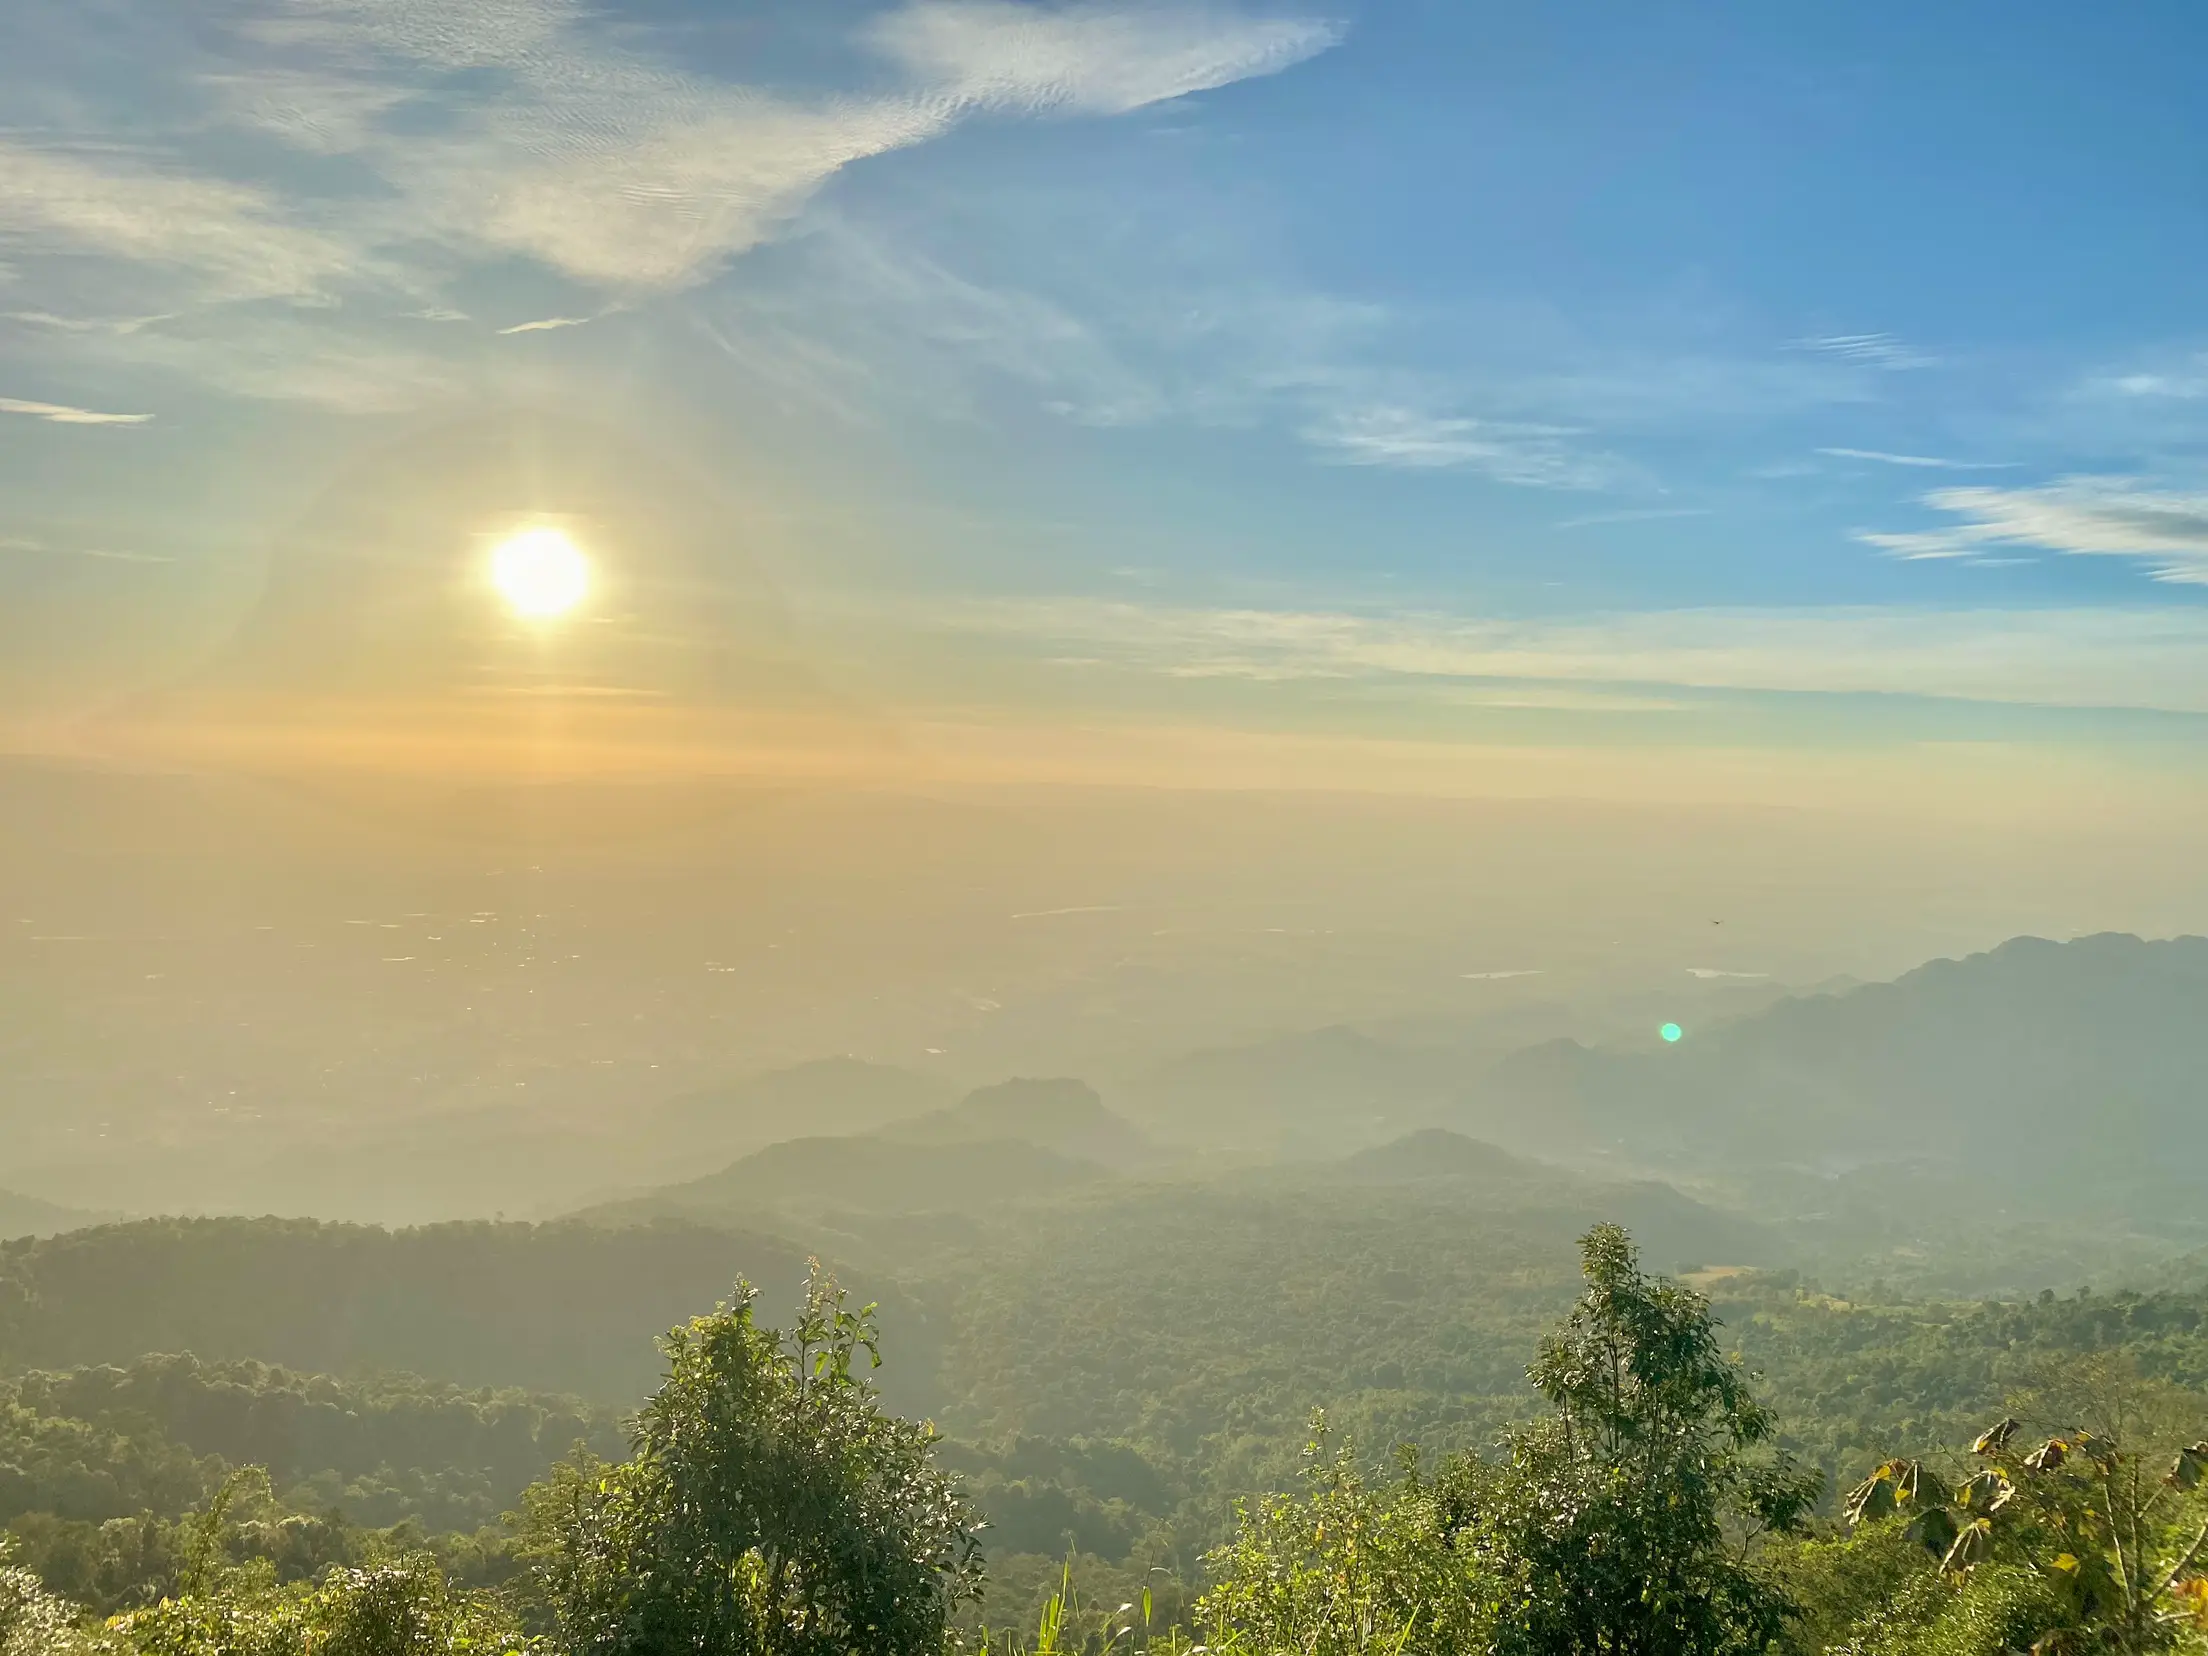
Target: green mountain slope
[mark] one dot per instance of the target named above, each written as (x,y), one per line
(158,1435)
(562,1307)
(812,1179)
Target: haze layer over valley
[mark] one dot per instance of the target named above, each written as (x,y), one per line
(419,1002)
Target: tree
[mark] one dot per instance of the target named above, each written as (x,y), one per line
(400,1608)
(770,1506)
(1348,1569)
(1623,1523)
(2105,1516)
(33,1622)
(394,1604)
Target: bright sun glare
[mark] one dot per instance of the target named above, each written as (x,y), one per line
(540,573)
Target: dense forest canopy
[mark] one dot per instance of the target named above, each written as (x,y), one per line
(1108,1386)
(160,1434)
(1644,1493)
(560,1307)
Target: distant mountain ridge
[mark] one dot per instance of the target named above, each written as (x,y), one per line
(1314,1091)
(998,1144)
(829,1097)
(810,1178)
(1060,1114)
(2051,1063)
(1437,1153)
(1436,1164)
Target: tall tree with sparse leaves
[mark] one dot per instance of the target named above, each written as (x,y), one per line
(1624,1522)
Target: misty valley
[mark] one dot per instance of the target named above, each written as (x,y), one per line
(1164,1342)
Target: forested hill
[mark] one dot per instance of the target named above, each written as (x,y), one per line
(158,1435)
(558,1307)
(861,1175)
(830,1096)
(1061,1115)
(1018,1139)
(1982,1065)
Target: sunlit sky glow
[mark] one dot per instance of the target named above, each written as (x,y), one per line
(1592,380)
(539,572)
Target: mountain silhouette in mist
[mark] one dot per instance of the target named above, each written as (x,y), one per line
(2051,1064)
(805,1178)
(1437,1164)
(1001,1143)
(830,1097)
(1315,1091)
(1437,1153)
(1061,1115)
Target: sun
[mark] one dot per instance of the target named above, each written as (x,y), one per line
(540,573)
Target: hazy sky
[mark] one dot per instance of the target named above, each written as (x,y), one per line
(1799,403)
(1643,503)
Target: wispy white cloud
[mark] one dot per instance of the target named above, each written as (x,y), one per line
(63,414)
(879,329)
(1642,514)
(1873,350)
(546,324)
(623,208)
(1410,440)
(335,112)
(2085,516)
(1920,546)
(878,325)
(2183,381)
(1094,59)
(227,240)
(24,543)
(334,361)
(2116,658)
(1927,461)
(628,176)
(121,326)
(472,131)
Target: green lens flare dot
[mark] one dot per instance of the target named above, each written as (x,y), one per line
(1671,1032)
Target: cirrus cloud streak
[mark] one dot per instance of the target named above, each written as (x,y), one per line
(564,143)
(2082,516)
(2139,659)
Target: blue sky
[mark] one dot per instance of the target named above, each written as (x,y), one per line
(1605,374)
